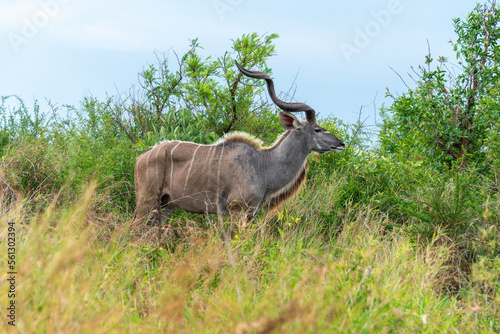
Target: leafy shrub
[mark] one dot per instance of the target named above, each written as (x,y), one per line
(180,125)
(448,116)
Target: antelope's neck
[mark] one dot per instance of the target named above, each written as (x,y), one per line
(285,161)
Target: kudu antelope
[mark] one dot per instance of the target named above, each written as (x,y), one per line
(236,175)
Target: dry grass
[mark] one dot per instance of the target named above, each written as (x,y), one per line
(79,272)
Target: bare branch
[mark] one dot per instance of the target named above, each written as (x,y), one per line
(400,77)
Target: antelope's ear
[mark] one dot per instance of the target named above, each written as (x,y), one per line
(289,121)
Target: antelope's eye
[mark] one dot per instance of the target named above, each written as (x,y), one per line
(317,130)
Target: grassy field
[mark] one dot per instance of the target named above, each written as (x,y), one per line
(82,271)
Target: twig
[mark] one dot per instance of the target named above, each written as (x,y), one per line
(400,77)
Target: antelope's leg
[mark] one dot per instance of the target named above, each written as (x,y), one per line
(143,207)
(166,211)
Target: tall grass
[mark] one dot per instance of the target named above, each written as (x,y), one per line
(83,272)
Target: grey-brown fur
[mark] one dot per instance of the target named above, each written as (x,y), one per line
(233,176)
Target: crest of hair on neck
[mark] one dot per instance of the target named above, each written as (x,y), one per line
(256,143)
(241,137)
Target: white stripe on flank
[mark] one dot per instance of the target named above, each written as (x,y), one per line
(213,153)
(158,169)
(218,173)
(147,164)
(172,163)
(208,163)
(140,158)
(189,170)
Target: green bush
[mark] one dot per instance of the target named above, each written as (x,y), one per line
(448,116)
(180,125)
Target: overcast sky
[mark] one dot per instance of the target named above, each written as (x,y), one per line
(64,50)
